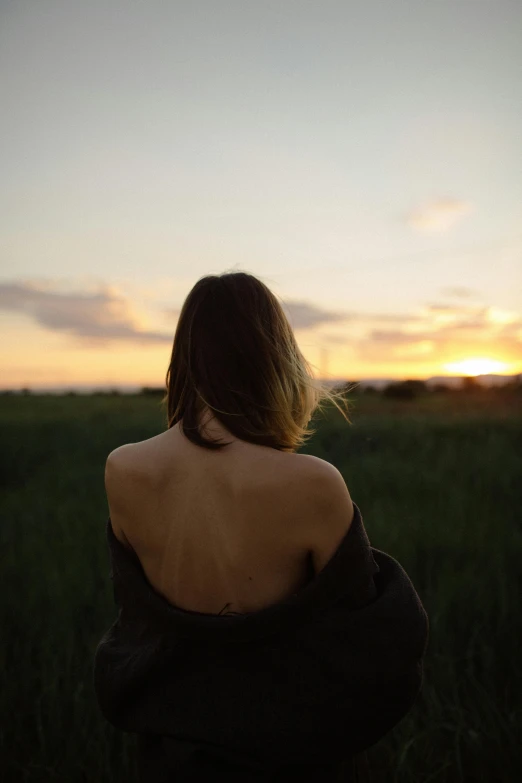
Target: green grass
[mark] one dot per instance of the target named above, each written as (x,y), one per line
(438,481)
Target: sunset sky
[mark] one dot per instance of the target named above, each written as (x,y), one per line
(363,159)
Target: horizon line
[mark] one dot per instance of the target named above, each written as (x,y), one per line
(138,387)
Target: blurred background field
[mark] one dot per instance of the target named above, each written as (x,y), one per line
(437,476)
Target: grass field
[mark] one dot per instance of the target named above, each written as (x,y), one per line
(439,484)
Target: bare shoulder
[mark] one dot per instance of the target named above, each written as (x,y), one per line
(122,453)
(315,464)
(330,510)
(321,470)
(127,477)
(122,464)
(119,468)
(327,483)
(129,460)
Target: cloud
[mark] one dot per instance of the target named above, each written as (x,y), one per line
(435,308)
(93,317)
(458,291)
(477,320)
(303,315)
(435,330)
(448,329)
(400,318)
(106,314)
(439,215)
(455,310)
(396,336)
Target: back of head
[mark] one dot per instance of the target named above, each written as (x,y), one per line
(234,352)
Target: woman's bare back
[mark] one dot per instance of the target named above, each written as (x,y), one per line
(215,532)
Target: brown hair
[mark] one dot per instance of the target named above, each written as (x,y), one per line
(234,351)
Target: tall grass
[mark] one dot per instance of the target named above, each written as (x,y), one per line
(439,486)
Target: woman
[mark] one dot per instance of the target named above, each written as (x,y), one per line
(259,635)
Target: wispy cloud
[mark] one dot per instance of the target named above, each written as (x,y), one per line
(433,332)
(458,291)
(446,329)
(107,314)
(304,315)
(395,336)
(441,308)
(94,317)
(101,316)
(439,215)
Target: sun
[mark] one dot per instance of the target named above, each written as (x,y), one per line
(476,367)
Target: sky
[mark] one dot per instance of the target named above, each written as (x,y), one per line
(363,159)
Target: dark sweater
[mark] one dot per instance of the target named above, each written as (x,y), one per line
(285,693)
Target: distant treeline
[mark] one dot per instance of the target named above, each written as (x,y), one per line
(411,389)
(404,390)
